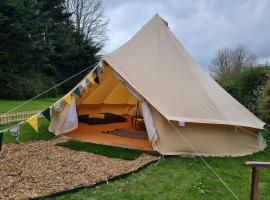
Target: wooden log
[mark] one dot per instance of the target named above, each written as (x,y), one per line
(257,164)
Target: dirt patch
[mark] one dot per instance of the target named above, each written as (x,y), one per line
(38,169)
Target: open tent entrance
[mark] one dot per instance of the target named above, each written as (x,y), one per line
(110,114)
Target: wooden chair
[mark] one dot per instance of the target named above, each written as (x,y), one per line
(255,176)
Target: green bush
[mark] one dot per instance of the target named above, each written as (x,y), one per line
(264,102)
(26,86)
(246,86)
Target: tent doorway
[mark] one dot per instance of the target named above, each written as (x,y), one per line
(104,103)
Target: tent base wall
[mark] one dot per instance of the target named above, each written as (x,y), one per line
(205,139)
(192,154)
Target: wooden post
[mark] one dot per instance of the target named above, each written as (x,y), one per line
(255,183)
(256,177)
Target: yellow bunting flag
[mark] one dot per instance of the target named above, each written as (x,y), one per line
(90,78)
(33,121)
(67,98)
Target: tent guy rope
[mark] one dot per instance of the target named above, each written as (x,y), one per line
(204,161)
(55,86)
(22,104)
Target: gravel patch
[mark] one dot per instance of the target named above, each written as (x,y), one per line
(37,169)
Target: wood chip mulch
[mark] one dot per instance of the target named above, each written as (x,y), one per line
(37,169)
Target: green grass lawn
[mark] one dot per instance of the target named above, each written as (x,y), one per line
(6,105)
(111,152)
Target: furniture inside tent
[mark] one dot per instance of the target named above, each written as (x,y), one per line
(183,109)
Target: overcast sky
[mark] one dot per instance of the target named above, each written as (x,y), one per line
(202,26)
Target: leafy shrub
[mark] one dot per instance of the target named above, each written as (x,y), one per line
(246,86)
(26,86)
(264,102)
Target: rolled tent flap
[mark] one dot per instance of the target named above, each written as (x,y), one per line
(66,120)
(149,123)
(147,115)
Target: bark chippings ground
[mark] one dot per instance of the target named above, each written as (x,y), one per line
(38,169)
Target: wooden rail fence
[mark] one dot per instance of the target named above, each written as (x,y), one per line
(13,117)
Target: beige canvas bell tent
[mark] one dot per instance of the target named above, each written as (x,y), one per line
(153,80)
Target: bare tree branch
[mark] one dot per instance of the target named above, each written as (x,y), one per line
(89,18)
(228,62)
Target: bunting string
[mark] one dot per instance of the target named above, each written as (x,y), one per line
(55,86)
(33,121)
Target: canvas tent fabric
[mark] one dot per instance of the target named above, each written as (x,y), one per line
(160,69)
(110,95)
(66,120)
(154,68)
(207,139)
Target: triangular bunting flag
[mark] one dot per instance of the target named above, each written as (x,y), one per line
(33,121)
(77,91)
(15,131)
(47,113)
(97,80)
(1,140)
(95,73)
(84,84)
(67,99)
(90,78)
(101,67)
(57,106)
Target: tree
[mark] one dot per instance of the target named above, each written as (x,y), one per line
(229,62)
(89,18)
(21,48)
(246,86)
(22,51)
(264,102)
(39,47)
(72,54)
(71,51)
